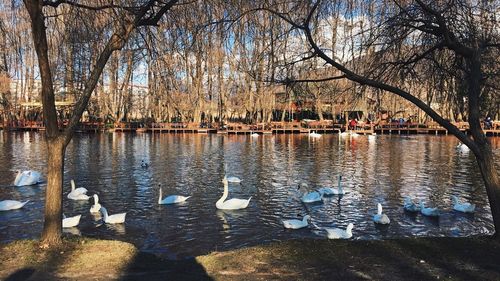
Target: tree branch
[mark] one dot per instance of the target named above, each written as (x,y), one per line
(295,81)
(155,18)
(56,4)
(116,42)
(363,80)
(443,30)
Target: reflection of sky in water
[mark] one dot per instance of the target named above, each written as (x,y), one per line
(383,169)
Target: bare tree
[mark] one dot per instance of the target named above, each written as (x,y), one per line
(132,17)
(416,33)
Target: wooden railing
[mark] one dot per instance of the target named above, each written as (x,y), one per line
(235,126)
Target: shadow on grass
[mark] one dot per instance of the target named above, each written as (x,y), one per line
(353,260)
(457,258)
(146,266)
(21,274)
(404,259)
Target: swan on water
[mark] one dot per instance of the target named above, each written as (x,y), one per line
(338,233)
(231,204)
(72,231)
(462,207)
(349,133)
(296,224)
(96,207)
(410,206)
(430,212)
(6,205)
(309,197)
(28,177)
(331,190)
(379,217)
(116,218)
(254,134)
(313,134)
(231,179)
(77,193)
(172,199)
(462,147)
(71,221)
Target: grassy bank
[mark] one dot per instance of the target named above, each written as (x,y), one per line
(405,259)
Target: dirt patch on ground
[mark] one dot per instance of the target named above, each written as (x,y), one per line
(403,259)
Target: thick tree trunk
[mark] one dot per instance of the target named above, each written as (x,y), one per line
(52,226)
(482,151)
(489,171)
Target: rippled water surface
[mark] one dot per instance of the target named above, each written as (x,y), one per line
(271,166)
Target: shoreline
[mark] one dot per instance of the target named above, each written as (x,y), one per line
(471,258)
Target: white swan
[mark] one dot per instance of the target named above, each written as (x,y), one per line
(28,177)
(112,219)
(19,175)
(410,206)
(231,204)
(71,221)
(338,233)
(233,179)
(333,191)
(6,205)
(430,212)
(309,197)
(296,224)
(313,134)
(81,190)
(72,230)
(96,207)
(462,207)
(77,193)
(462,147)
(254,134)
(326,191)
(379,217)
(172,199)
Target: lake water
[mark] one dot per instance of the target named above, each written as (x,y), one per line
(271,166)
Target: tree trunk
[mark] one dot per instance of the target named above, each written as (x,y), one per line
(319,107)
(482,151)
(52,226)
(491,181)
